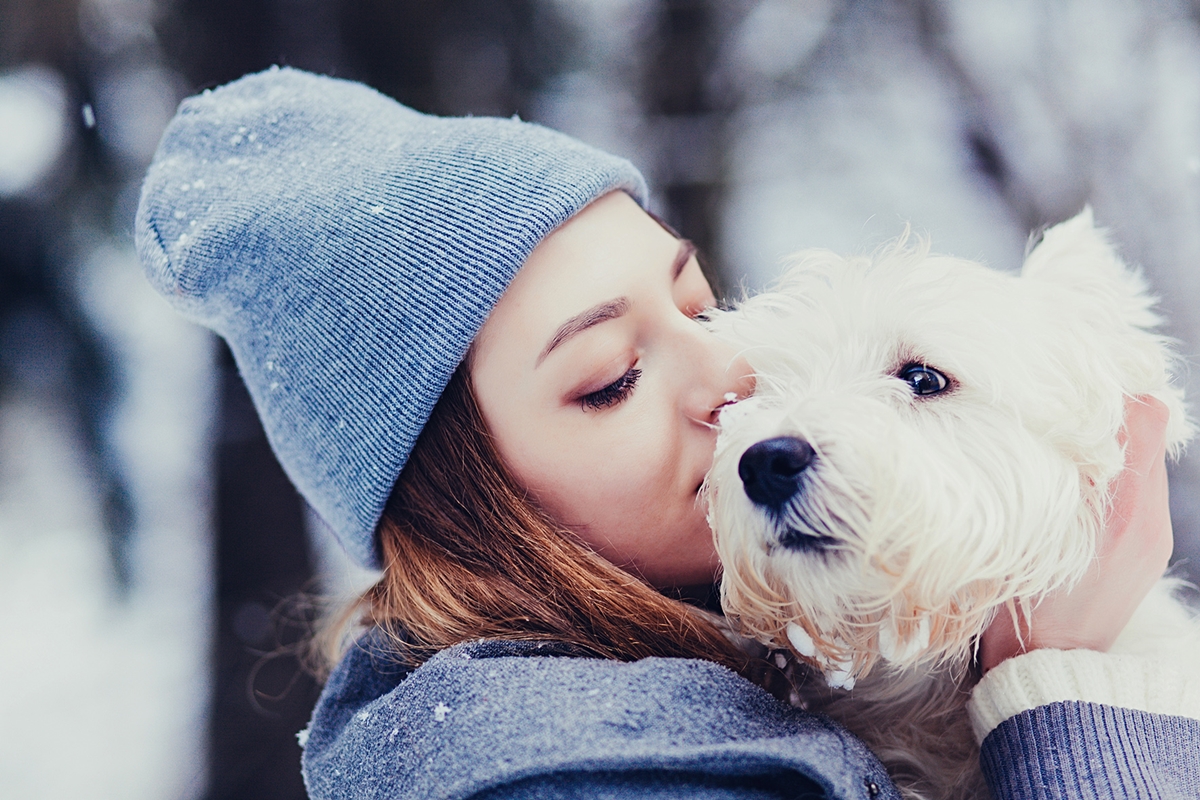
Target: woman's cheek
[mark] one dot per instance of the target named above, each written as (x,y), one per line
(622,477)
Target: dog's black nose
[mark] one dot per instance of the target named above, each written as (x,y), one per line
(771,469)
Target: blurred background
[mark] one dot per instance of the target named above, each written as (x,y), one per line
(147,538)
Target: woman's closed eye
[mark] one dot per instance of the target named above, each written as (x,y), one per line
(616,392)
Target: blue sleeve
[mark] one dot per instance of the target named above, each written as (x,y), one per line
(1086,751)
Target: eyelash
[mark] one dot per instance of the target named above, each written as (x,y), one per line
(616,392)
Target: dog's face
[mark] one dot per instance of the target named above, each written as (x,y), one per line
(929,442)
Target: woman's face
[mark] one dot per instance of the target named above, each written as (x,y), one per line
(601,390)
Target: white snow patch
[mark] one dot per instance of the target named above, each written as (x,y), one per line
(801,640)
(32,127)
(103,697)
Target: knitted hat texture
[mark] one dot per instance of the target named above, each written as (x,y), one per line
(348,249)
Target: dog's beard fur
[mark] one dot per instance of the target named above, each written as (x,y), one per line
(920,518)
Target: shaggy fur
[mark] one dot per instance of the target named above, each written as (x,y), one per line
(922,516)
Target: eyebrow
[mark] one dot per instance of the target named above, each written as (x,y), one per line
(581,322)
(610,309)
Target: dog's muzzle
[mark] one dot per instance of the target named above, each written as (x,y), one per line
(772,473)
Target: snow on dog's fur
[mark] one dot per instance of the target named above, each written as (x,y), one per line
(931,443)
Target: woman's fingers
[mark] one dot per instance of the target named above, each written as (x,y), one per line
(1131,556)
(1139,497)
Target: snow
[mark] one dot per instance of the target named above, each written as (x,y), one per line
(874,138)
(32,127)
(801,640)
(103,696)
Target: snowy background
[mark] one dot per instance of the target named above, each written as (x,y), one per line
(146,538)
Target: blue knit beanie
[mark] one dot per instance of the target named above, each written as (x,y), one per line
(348,249)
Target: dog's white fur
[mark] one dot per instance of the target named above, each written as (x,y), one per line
(941,510)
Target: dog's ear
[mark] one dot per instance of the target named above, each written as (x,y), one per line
(1078,256)
(1105,304)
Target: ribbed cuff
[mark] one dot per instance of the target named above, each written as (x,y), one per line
(1043,677)
(1086,751)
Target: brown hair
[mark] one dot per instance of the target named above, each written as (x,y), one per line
(468,555)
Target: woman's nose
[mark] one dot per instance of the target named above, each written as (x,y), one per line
(722,376)
(737,382)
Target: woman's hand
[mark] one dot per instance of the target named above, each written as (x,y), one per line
(1132,556)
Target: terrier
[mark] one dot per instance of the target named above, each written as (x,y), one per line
(931,443)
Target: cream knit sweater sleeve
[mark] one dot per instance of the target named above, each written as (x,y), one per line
(1042,677)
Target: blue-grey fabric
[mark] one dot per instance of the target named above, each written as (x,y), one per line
(501,720)
(348,249)
(1083,751)
(514,720)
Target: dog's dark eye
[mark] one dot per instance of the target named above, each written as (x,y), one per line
(922,379)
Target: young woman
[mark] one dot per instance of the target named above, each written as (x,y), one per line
(476,356)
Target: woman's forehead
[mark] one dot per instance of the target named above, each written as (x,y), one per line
(609,251)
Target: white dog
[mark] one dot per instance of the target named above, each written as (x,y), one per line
(931,443)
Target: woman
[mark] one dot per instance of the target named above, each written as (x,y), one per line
(520,451)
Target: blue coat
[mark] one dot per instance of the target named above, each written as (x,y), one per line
(497,720)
